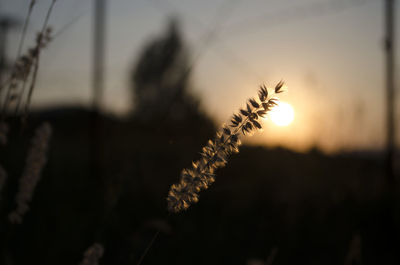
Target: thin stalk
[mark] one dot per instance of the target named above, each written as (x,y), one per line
(19,102)
(148,247)
(46,20)
(35,71)
(32,86)
(20,45)
(26,22)
(6,101)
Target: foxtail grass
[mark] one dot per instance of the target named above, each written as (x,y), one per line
(25,69)
(217,151)
(35,162)
(93,254)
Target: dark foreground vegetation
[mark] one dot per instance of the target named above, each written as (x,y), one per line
(303,208)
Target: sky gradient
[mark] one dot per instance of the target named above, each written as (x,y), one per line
(329,53)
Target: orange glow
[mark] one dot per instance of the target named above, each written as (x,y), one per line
(282,115)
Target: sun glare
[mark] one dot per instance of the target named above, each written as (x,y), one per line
(282,115)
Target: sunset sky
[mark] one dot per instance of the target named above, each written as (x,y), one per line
(328,52)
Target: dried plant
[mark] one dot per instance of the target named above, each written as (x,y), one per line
(25,62)
(26,23)
(35,161)
(215,154)
(22,39)
(93,254)
(26,66)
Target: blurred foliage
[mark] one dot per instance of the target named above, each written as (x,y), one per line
(308,206)
(160,80)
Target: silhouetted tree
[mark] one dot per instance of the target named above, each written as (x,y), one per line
(160,80)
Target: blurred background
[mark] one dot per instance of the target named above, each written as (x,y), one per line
(134,89)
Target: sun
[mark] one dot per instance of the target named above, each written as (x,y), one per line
(282,114)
